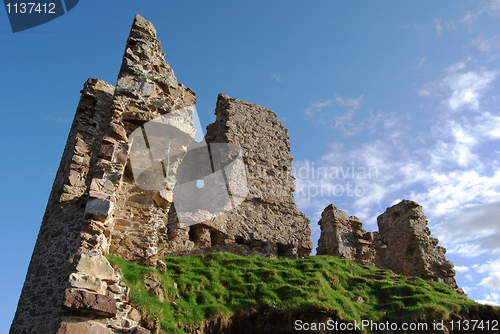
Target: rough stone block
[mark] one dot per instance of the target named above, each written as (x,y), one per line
(106,151)
(82,327)
(99,208)
(134,315)
(118,132)
(82,281)
(89,301)
(140,330)
(121,157)
(94,265)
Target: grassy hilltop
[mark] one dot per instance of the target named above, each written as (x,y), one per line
(223,292)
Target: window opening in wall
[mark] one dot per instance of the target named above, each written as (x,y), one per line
(192,233)
(214,238)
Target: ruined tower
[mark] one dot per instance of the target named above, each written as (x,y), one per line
(402,243)
(114,193)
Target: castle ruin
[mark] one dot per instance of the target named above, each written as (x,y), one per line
(402,243)
(114,194)
(98,205)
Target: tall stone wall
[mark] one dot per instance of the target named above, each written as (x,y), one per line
(268,215)
(39,307)
(402,243)
(69,281)
(260,216)
(146,93)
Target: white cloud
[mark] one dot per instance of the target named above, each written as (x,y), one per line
(422,60)
(491,299)
(459,190)
(351,104)
(483,45)
(438,27)
(469,289)
(277,78)
(487,302)
(317,106)
(460,89)
(462,269)
(488,126)
(491,7)
(467,88)
(490,266)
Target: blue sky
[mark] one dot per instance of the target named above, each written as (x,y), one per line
(408,89)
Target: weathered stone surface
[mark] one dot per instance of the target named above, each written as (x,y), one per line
(409,250)
(140,330)
(147,90)
(89,301)
(118,131)
(162,266)
(39,306)
(99,208)
(82,326)
(82,281)
(94,265)
(402,243)
(134,315)
(266,211)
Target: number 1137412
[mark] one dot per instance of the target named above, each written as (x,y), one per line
(31,7)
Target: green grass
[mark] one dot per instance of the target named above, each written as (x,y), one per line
(217,286)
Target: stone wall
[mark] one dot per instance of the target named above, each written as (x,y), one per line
(266,220)
(114,193)
(410,251)
(268,216)
(39,306)
(402,244)
(146,93)
(344,237)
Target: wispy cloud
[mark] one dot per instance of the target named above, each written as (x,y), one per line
(421,61)
(438,27)
(483,45)
(317,106)
(460,89)
(491,7)
(351,104)
(459,190)
(487,46)
(277,78)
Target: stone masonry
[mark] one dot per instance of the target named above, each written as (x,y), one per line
(402,244)
(39,307)
(267,220)
(101,204)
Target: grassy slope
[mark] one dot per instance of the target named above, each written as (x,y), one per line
(220,285)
